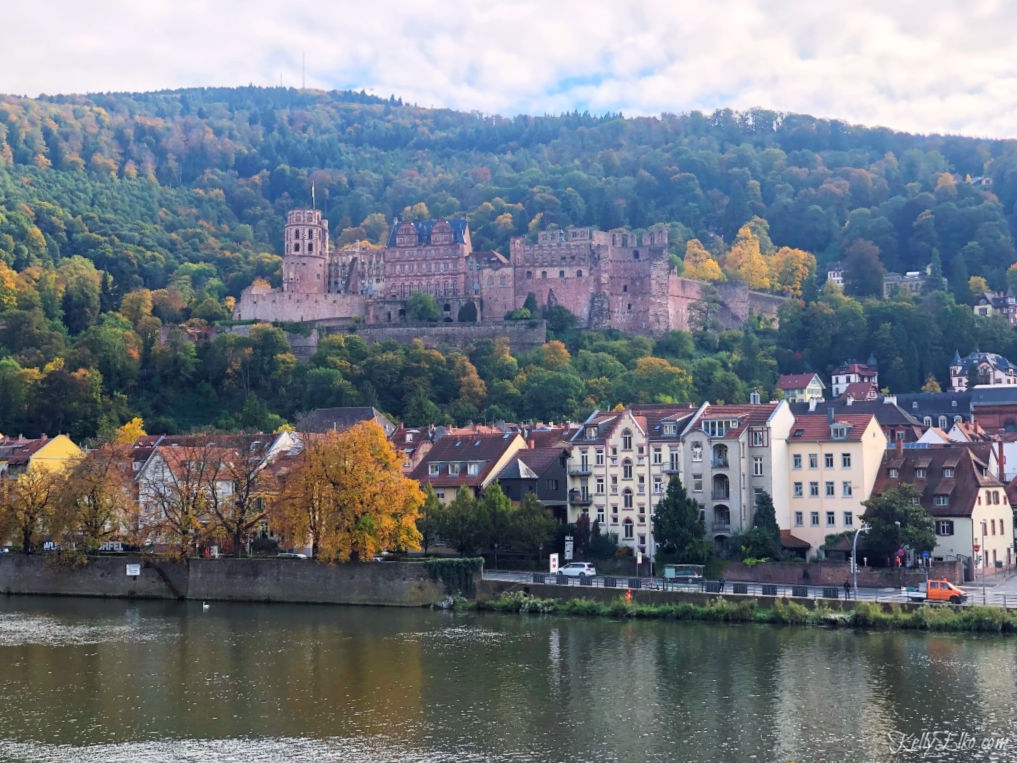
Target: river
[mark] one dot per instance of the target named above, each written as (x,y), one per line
(97,680)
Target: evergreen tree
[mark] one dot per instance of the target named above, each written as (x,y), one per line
(896,520)
(678,527)
(429,518)
(762,541)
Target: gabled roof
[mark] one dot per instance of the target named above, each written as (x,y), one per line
(531,464)
(862,390)
(935,404)
(814,427)
(798,381)
(341,419)
(424,227)
(747,415)
(483,449)
(971,473)
(1001,394)
(860,369)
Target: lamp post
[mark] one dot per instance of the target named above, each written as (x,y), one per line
(985,555)
(864,528)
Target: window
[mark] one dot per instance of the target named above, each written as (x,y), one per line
(828,460)
(697,451)
(627,499)
(598,458)
(600,514)
(893,474)
(716,427)
(944,527)
(671,429)
(658,485)
(849,519)
(626,469)
(940,500)
(697,483)
(829,489)
(814,519)
(920,473)
(838,432)
(831,519)
(600,486)
(433,470)
(796,461)
(947,473)
(798,490)
(658,455)
(757,466)
(799,519)
(757,438)
(626,440)
(453,469)
(813,460)
(846,489)
(561,273)
(473,469)
(627,529)
(845,460)
(813,490)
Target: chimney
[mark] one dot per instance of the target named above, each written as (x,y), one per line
(1002,463)
(531,444)
(812,404)
(754,397)
(829,415)
(900,448)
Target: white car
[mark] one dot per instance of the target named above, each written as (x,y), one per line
(578,570)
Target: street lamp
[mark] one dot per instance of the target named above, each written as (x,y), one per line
(864,528)
(985,555)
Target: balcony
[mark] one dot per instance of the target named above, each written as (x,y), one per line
(583,470)
(720,527)
(672,469)
(719,463)
(577,498)
(720,495)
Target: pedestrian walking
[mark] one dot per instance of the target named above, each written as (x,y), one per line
(805,576)
(847,589)
(722,582)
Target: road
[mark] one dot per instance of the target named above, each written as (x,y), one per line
(1003,593)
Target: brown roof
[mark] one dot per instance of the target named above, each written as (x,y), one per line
(17,452)
(794,381)
(971,473)
(861,390)
(814,427)
(747,415)
(787,540)
(461,450)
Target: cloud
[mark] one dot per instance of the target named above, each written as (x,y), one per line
(932,66)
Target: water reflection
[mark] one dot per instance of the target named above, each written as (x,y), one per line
(109,680)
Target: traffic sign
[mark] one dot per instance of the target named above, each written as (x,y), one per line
(925,554)
(553,560)
(977,548)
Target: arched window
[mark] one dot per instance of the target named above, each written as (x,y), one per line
(579,274)
(627,529)
(529,274)
(543,274)
(310,248)
(627,499)
(626,469)
(626,440)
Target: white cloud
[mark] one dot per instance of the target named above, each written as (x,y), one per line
(937,65)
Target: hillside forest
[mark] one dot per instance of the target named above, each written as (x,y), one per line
(130,222)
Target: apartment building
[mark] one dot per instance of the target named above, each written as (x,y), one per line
(732,453)
(619,467)
(833,462)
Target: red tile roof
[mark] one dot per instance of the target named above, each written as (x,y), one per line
(483,449)
(794,381)
(814,427)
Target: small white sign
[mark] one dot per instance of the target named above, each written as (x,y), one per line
(639,557)
(569,548)
(554,562)
(133,570)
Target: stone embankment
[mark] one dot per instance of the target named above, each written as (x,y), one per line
(396,584)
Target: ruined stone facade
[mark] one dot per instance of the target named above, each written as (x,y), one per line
(607,279)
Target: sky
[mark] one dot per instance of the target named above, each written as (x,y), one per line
(930,66)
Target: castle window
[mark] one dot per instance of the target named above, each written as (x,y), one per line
(543,274)
(529,274)
(310,248)
(561,273)
(630,307)
(579,274)
(625,287)
(635,255)
(296,247)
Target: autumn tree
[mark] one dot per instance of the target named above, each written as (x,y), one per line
(745,261)
(699,263)
(129,433)
(239,490)
(26,506)
(348,496)
(790,269)
(95,501)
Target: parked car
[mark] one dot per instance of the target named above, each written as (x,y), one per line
(290,555)
(578,570)
(938,590)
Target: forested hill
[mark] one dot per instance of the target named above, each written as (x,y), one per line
(123,212)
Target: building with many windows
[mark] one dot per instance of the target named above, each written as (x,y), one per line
(833,461)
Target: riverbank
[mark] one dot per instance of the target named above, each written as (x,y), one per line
(295,581)
(861,614)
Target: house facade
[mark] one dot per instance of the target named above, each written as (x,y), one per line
(470,461)
(852,373)
(833,461)
(800,388)
(992,370)
(49,453)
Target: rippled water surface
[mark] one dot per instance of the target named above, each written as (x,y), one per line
(95,680)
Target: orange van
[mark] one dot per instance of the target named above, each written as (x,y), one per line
(938,590)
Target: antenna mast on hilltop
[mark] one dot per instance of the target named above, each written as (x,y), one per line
(313,205)
(303,70)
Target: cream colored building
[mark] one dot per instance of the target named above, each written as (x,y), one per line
(833,462)
(619,467)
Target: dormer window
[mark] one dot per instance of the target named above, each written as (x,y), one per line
(893,474)
(947,473)
(433,470)
(953,403)
(591,433)
(941,500)
(670,429)
(453,470)
(838,432)
(473,470)
(716,427)
(919,473)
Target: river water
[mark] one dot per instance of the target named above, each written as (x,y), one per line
(97,680)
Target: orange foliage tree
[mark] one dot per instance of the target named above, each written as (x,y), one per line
(348,497)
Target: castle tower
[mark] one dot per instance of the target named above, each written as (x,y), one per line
(305,260)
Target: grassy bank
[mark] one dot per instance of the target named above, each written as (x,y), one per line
(784,612)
